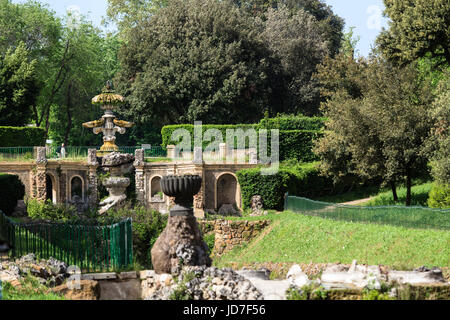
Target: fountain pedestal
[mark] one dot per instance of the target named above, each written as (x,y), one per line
(181,243)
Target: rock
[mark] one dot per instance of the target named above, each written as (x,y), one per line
(180,244)
(416,277)
(257,205)
(207,284)
(297,277)
(115,159)
(120,290)
(89,290)
(229,210)
(252,274)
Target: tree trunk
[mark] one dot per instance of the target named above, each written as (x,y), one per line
(394,191)
(408,188)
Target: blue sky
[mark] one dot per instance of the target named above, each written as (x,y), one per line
(364,15)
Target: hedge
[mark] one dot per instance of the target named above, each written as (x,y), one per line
(21,137)
(439,196)
(11,190)
(293,123)
(294,144)
(300,180)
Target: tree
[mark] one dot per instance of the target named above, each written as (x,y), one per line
(18,86)
(297,41)
(416,28)
(330,24)
(197,60)
(381,133)
(127,14)
(440,138)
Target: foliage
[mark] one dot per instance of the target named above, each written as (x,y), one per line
(30,289)
(439,197)
(439,140)
(297,40)
(18,86)
(317,240)
(11,190)
(23,137)
(147,226)
(298,145)
(210,240)
(181,291)
(293,122)
(415,29)
(378,130)
(298,179)
(376,295)
(46,210)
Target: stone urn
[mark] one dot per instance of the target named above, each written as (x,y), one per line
(181,243)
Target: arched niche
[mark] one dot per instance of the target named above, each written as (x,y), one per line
(227,191)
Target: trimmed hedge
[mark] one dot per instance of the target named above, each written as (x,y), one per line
(300,180)
(293,123)
(11,190)
(294,144)
(21,137)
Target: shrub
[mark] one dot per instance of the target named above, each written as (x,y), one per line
(302,180)
(298,145)
(439,197)
(46,210)
(21,137)
(289,122)
(147,226)
(11,190)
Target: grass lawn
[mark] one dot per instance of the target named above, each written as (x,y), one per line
(305,239)
(419,196)
(30,289)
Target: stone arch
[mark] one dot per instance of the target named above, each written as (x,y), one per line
(155,189)
(51,186)
(227,190)
(76,187)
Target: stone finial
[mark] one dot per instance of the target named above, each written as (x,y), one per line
(41,157)
(92,157)
(139,158)
(253,156)
(198,155)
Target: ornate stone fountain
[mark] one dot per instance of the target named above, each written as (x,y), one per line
(108,124)
(181,243)
(117,164)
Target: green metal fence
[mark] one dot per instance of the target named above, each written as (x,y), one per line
(91,248)
(17,154)
(71,152)
(410,217)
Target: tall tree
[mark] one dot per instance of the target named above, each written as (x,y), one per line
(381,133)
(18,86)
(297,41)
(197,60)
(416,27)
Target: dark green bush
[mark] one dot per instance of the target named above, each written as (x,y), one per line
(439,197)
(21,137)
(147,226)
(298,179)
(287,123)
(298,145)
(11,190)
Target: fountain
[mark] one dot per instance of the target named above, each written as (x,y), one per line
(108,124)
(117,164)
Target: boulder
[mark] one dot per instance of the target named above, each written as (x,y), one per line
(297,277)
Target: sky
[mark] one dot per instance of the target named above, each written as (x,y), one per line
(364,15)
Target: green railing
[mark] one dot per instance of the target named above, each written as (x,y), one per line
(71,152)
(410,217)
(17,154)
(91,248)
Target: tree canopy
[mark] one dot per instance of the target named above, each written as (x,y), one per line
(416,28)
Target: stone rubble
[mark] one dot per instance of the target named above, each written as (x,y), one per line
(51,272)
(200,283)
